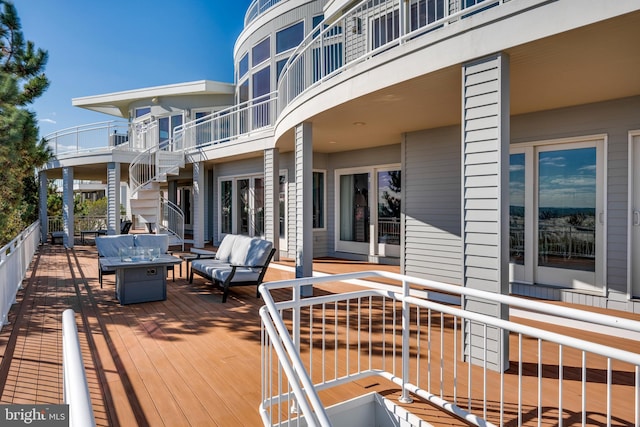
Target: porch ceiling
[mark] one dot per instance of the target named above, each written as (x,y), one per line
(590,64)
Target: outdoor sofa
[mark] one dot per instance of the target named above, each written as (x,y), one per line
(239,261)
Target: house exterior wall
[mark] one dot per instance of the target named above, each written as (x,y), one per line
(431,191)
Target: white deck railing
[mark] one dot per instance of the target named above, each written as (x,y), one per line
(15,258)
(225,125)
(89,137)
(76,388)
(400,334)
(56,223)
(366,30)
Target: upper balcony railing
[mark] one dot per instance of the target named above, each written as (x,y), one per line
(225,125)
(368,29)
(91,137)
(257,8)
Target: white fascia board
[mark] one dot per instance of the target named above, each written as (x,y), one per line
(113,103)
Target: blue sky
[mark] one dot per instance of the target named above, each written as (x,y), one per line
(98,47)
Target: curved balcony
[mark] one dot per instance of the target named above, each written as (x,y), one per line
(365,31)
(91,137)
(257,8)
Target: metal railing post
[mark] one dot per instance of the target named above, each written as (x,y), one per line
(406,350)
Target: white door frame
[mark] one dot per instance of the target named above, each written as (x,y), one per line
(633,212)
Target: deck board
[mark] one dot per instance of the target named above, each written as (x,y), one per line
(191,360)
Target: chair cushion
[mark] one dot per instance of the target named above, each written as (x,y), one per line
(226,247)
(242,274)
(258,252)
(208,266)
(240,250)
(153,241)
(109,246)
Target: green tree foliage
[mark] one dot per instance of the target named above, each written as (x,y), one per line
(22,80)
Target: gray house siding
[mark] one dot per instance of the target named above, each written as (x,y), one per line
(431,193)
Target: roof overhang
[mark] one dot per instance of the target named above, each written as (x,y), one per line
(117,103)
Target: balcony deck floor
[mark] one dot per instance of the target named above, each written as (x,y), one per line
(186,361)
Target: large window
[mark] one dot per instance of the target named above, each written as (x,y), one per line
(516,208)
(290,37)
(318,199)
(260,52)
(226,207)
(262,82)
(243,66)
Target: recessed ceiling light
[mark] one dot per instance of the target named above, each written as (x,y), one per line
(332,142)
(359,123)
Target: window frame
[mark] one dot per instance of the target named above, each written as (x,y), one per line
(255,64)
(324,200)
(288,27)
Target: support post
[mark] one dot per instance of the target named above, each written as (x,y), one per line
(304,203)
(485,189)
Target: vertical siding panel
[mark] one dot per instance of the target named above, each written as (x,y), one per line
(485,156)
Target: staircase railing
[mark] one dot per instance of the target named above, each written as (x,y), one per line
(142,170)
(172,221)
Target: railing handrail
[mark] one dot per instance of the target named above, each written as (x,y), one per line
(231,117)
(15,258)
(257,8)
(526,304)
(76,388)
(329,32)
(86,127)
(287,345)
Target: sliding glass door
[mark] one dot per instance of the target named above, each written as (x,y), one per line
(556,216)
(368,211)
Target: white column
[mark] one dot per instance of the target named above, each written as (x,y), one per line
(198,204)
(113,198)
(272,199)
(304,203)
(485,200)
(67,206)
(44,217)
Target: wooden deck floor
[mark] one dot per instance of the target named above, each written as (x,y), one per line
(186,361)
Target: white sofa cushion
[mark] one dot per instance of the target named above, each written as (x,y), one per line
(226,247)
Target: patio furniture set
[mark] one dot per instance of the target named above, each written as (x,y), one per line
(140,263)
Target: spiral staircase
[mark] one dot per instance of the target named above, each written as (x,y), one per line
(146,174)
